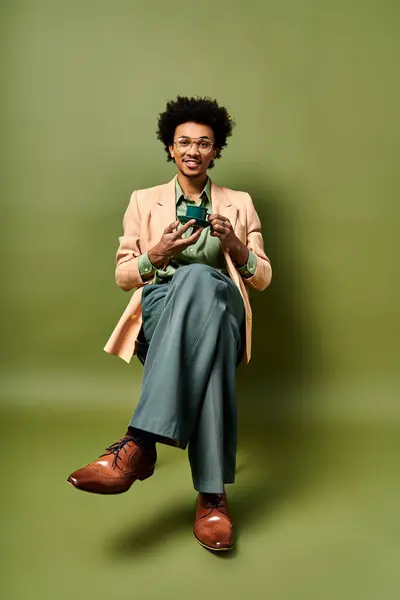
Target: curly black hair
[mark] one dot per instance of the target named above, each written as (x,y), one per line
(199,110)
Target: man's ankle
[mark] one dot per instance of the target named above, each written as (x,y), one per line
(145,439)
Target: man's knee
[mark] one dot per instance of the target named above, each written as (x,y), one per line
(199,275)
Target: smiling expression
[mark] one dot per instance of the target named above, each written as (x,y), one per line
(191,162)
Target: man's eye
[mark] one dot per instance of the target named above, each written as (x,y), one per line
(183,142)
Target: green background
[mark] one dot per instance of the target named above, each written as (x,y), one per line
(313,87)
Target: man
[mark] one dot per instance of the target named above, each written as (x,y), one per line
(189,320)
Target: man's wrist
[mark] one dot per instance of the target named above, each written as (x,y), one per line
(156,258)
(248,269)
(146,269)
(239,254)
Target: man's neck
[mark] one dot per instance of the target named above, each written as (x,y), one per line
(192,186)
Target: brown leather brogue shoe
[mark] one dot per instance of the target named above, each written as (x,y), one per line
(213,524)
(116,470)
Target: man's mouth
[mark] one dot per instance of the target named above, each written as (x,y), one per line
(192,163)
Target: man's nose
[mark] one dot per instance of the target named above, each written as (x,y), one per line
(193,150)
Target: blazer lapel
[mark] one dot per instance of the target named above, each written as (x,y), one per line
(222,205)
(166,205)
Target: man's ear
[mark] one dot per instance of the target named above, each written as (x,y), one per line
(171,150)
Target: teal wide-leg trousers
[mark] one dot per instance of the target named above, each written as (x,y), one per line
(193,326)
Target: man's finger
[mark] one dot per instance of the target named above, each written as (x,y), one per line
(171,227)
(220,228)
(185,227)
(224,224)
(192,239)
(196,233)
(215,216)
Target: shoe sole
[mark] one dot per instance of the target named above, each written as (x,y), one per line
(81,489)
(225,549)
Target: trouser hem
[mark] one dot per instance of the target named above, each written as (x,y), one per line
(158,428)
(212,487)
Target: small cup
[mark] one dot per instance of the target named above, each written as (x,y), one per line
(196,212)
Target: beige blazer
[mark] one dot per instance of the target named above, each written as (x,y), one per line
(149,212)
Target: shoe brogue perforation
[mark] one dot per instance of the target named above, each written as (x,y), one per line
(213,525)
(116,469)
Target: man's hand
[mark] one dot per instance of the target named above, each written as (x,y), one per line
(221,227)
(172,243)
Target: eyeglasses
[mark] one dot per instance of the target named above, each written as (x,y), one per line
(204,145)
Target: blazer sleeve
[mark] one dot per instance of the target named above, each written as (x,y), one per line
(263,274)
(127,274)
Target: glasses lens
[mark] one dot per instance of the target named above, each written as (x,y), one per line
(183,143)
(203,145)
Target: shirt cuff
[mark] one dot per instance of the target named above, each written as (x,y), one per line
(146,269)
(249,269)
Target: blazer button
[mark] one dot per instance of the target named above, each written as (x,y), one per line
(249,318)
(134,317)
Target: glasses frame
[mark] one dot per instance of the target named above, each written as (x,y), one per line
(196,141)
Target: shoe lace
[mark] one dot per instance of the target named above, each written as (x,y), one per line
(212,500)
(117,447)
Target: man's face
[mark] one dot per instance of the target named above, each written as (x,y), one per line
(193,159)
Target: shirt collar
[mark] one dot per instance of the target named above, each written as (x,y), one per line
(205,194)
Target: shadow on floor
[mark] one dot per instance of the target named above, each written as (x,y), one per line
(273,432)
(152,532)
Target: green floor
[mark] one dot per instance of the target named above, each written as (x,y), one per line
(315,508)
